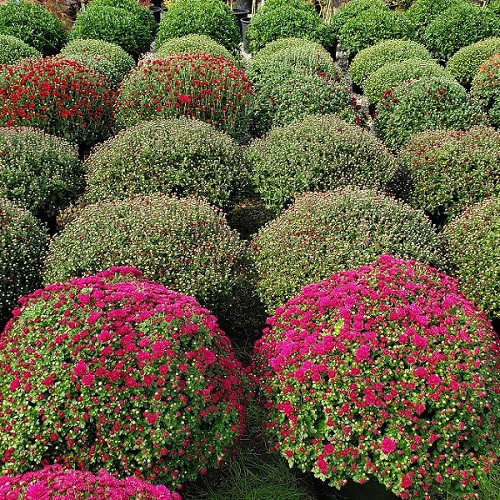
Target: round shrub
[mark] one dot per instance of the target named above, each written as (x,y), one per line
(464,64)
(442,104)
(122,61)
(384,371)
(322,233)
(459,26)
(317,153)
(451,170)
(471,242)
(212,18)
(59,96)
(34,25)
(58,481)
(201,86)
(351,10)
(486,88)
(38,170)
(371,27)
(494,6)
(393,74)
(293,4)
(22,248)
(369,60)
(13,49)
(143,380)
(178,156)
(285,43)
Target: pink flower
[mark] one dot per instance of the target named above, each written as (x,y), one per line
(388,445)
(419,342)
(14,384)
(406,481)
(80,368)
(88,380)
(362,353)
(433,379)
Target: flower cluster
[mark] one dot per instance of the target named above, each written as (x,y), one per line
(55,480)
(59,96)
(486,88)
(322,233)
(384,371)
(13,49)
(208,88)
(114,371)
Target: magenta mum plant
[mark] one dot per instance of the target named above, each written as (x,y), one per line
(385,371)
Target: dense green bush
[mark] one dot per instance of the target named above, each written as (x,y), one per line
(317,153)
(322,233)
(286,43)
(392,74)
(352,9)
(212,18)
(34,25)
(178,156)
(464,64)
(12,49)
(37,170)
(471,242)
(23,242)
(369,60)
(442,104)
(486,88)
(459,26)
(291,4)
(494,6)
(451,170)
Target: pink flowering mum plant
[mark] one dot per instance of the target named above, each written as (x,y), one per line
(385,372)
(119,372)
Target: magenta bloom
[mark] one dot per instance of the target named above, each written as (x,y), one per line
(388,445)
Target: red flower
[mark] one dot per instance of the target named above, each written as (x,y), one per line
(388,445)
(184,98)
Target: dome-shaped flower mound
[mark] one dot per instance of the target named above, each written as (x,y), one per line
(322,233)
(385,371)
(13,49)
(180,156)
(59,96)
(317,153)
(120,373)
(486,88)
(22,248)
(208,88)
(55,480)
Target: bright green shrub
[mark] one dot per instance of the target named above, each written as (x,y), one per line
(451,170)
(34,25)
(441,103)
(486,88)
(317,153)
(212,18)
(369,60)
(100,64)
(291,4)
(23,242)
(38,170)
(459,26)
(392,74)
(322,233)
(178,156)
(351,10)
(464,64)
(471,242)
(494,6)
(13,49)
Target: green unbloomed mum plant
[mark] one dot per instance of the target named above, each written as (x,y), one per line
(450,170)
(13,49)
(317,153)
(180,156)
(369,60)
(322,233)
(34,25)
(442,104)
(23,242)
(60,96)
(208,88)
(118,372)
(56,481)
(486,89)
(386,371)
(38,170)
(212,18)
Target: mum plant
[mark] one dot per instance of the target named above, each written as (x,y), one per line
(486,89)
(120,373)
(352,9)
(386,371)
(13,49)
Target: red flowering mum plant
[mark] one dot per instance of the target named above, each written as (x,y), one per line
(202,86)
(60,96)
(114,371)
(55,481)
(385,372)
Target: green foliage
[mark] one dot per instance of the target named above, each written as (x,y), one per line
(306,6)
(494,6)
(34,25)
(212,18)
(317,153)
(13,49)
(286,43)
(369,60)
(442,104)
(486,88)
(322,233)
(451,170)
(352,9)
